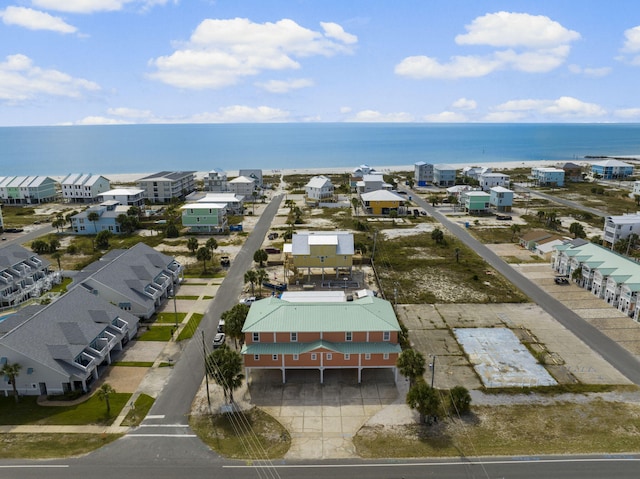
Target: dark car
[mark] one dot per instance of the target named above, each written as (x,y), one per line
(225,261)
(503,217)
(561,280)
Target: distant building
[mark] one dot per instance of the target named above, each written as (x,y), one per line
(636,189)
(475,202)
(243,186)
(319,188)
(423,173)
(489,180)
(475,171)
(611,169)
(216,181)
(107,212)
(254,174)
(620,227)
(501,198)
(164,186)
(572,172)
(382,202)
(81,188)
(205,218)
(370,183)
(124,196)
(233,203)
(444,175)
(548,176)
(358,173)
(27,190)
(23,275)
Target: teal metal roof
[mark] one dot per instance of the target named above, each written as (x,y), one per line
(301,348)
(364,314)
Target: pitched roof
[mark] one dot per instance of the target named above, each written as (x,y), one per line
(381,195)
(301,242)
(318,182)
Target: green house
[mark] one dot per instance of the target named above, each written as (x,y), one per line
(204,217)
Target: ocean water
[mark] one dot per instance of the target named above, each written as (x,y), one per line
(117,149)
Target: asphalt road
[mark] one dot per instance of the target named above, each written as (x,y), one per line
(611,351)
(557,199)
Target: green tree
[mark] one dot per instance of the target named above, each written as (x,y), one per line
(172,230)
(204,254)
(251,277)
(234,320)
(102,239)
(411,365)
(12,370)
(515,229)
(104,392)
(192,244)
(54,244)
(424,399)
(58,224)
(94,217)
(260,256)
(541,214)
(39,246)
(57,256)
(355,202)
(437,235)
(577,230)
(261,277)
(224,365)
(459,400)
(212,244)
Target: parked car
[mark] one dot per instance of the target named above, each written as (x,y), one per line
(561,280)
(503,217)
(248,301)
(225,261)
(221,326)
(272,250)
(218,340)
(273,235)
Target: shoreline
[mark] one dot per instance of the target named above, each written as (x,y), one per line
(122,178)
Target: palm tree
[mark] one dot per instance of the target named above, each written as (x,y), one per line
(93,216)
(251,277)
(11,370)
(212,244)
(515,229)
(103,394)
(356,204)
(261,276)
(192,244)
(424,399)
(260,256)
(411,364)
(234,321)
(437,235)
(204,255)
(57,255)
(224,365)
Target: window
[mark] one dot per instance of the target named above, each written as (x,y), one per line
(329,356)
(256,357)
(367,356)
(294,337)
(314,356)
(347,357)
(275,357)
(348,336)
(295,357)
(385,356)
(256,337)
(386,336)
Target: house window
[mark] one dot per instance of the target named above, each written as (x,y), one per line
(386,336)
(294,337)
(256,357)
(367,356)
(347,357)
(29,370)
(256,337)
(348,336)
(385,356)
(314,356)
(329,356)
(275,357)
(295,357)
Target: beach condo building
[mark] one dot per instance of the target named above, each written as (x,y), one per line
(475,202)
(253,173)
(323,334)
(162,187)
(546,176)
(81,188)
(620,227)
(107,219)
(243,187)
(444,175)
(216,181)
(234,204)
(382,202)
(501,198)
(23,275)
(27,190)
(207,218)
(138,280)
(489,180)
(572,172)
(319,188)
(423,173)
(320,250)
(611,169)
(64,346)
(124,196)
(373,182)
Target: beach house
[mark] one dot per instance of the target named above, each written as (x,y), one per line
(572,172)
(444,175)
(321,250)
(423,173)
(124,196)
(489,180)
(620,227)
(475,202)
(103,217)
(234,204)
(254,173)
(544,176)
(208,218)
(83,188)
(216,181)
(319,188)
(372,182)
(243,187)
(322,334)
(611,169)
(164,186)
(382,202)
(501,198)
(27,190)
(64,346)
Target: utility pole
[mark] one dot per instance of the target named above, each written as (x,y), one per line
(395,294)
(206,373)
(375,238)
(433,368)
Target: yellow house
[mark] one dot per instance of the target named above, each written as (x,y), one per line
(381,202)
(322,249)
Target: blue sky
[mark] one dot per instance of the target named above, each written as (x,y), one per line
(74,62)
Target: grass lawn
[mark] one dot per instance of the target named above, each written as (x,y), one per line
(138,413)
(191,326)
(92,411)
(47,446)
(219,434)
(167,317)
(156,333)
(133,364)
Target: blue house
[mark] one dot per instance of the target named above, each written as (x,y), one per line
(501,198)
(611,169)
(108,212)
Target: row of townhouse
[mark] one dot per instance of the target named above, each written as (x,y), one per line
(27,190)
(66,345)
(608,275)
(23,275)
(81,188)
(323,332)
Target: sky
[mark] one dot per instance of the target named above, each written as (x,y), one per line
(88,62)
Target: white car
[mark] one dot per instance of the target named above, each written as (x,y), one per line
(248,301)
(221,326)
(218,340)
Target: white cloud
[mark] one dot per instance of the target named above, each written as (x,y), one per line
(446,117)
(377,117)
(21,80)
(92,6)
(130,113)
(335,31)
(345,109)
(101,120)
(565,107)
(508,29)
(628,113)
(285,86)
(221,52)
(504,117)
(242,114)
(589,72)
(464,104)
(631,46)
(35,20)
(531,44)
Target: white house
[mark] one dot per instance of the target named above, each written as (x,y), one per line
(489,180)
(216,181)
(319,188)
(233,203)
(475,171)
(444,175)
(619,227)
(124,196)
(242,186)
(254,173)
(162,187)
(544,176)
(81,188)
(371,183)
